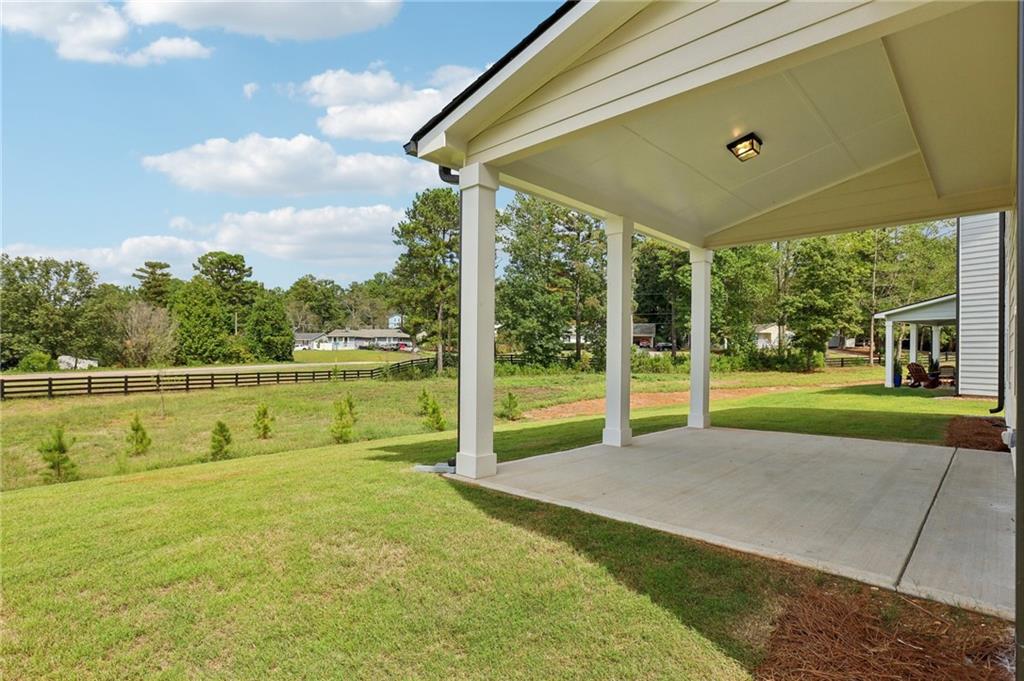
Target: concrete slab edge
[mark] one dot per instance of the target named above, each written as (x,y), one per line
(957,600)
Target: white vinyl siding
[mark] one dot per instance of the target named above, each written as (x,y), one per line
(978,303)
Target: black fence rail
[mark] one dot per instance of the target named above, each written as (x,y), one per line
(127,384)
(845,361)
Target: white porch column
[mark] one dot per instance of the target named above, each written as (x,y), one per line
(476,458)
(620,331)
(888,354)
(913,342)
(700,337)
(936,342)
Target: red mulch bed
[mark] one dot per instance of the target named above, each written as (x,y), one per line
(976,432)
(843,631)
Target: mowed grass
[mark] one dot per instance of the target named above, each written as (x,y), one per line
(375,356)
(339,562)
(180,424)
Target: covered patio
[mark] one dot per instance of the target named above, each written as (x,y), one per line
(935,314)
(935,522)
(709,125)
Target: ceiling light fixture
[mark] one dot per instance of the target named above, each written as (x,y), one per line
(746,147)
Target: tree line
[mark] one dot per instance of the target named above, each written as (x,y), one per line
(550,297)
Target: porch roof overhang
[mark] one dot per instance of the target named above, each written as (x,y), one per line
(872,114)
(939,311)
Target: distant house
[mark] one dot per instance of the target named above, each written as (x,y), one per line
(643,335)
(306,341)
(354,339)
(767,336)
(395,321)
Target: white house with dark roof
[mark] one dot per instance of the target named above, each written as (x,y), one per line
(355,339)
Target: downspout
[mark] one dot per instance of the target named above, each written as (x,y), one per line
(1002,316)
(448,176)
(1019,346)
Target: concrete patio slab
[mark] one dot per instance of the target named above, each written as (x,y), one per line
(965,553)
(850,507)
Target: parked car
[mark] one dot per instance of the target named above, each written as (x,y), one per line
(663,347)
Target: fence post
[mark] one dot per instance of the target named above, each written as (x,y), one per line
(126,384)
(236,379)
(187,377)
(842,362)
(278,376)
(49,387)
(88,385)
(1,389)
(258,376)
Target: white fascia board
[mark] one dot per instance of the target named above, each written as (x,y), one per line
(934,302)
(438,145)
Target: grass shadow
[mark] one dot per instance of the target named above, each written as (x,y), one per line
(528,439)
(891,426)
(728,598)
(903,392)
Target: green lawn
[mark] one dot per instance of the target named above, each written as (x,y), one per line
(330,356)
(339,562)
(180,424)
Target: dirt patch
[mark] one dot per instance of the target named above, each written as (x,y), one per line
(974,432)
(843,631)
(640,400)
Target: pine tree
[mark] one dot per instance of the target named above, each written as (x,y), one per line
(138,439)
(434,419)
(350,404)
(341,427)
(423,402)
(264,421)
(55,453)
(220,442)
(509,408)
(155,282)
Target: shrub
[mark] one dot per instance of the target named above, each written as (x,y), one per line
(220,442)
(509,408)
(37,360)
(342,426)
(434,419)
(138,439)
(262,423)
(423,403)
(55,453)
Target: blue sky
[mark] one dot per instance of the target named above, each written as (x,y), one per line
(129,132)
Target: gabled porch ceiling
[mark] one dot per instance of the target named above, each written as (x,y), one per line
(905,118)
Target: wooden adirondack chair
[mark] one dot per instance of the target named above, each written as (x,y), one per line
(919,377)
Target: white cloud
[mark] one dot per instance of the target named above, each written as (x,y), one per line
(257,165)
(357,237)
(116,263)
(372,105)
(272,20)
(92,32)
(330,233)
(162,49)
(249,90)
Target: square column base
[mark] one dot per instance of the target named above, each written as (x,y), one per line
(616,437)
(476,465)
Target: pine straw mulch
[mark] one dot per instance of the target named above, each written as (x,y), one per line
(976,432)
(850,632)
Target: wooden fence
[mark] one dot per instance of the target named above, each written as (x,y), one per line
(126,384)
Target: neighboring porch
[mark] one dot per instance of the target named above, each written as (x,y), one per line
(932,314)
(924,520)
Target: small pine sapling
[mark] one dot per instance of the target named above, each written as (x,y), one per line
(509,408)
(341,427)
(351,405)
(55,453)
(423,403)
(138,439)
(263,423)
(220,442)
(434,419)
